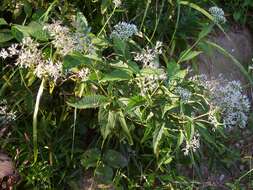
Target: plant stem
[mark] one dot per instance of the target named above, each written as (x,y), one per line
(110,16)
(35,120)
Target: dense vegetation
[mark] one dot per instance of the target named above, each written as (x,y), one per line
(108,92)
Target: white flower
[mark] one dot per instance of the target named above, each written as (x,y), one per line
(29,55)
(83,74)
(13,50)
(6,116)
(183,93)
(49,69)
(65,41)
(124,30)
(228,97)
(117,3)
(148,56)
(193,144)
(218,14)
(4,54)
(148,84)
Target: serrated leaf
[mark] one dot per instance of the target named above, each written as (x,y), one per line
(90,101)
(157,136)
(111,122)
(115,159)
(90,158)
(124,126)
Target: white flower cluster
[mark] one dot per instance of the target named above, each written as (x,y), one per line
(213,119)
(65,41)
(83,74)
(193,144)
(27,56)
(49,70)
(147,56)
(218,14)
(61,34)
(30,56)
(227,96)
(232,103)
(150,83)
(124,30)
(6,116)
(9,52)
(183,93)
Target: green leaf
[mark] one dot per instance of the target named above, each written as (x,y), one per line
(117,75)
(157,136)
(168,107)
(135,101)
(3,22)
(89,101)
(34,29)
(111,121)
(205,134)
(125,129)
(180,139)
(205,31)
(90,158)
(27,9)
(188,55)
(104,174)
(19,32)
(82,23)
(115,159)
(75,60)
(172,69)
(5,35)
(121,48)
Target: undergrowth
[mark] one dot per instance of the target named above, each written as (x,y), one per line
(102,92)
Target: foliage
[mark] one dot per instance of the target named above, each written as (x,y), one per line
(122,106)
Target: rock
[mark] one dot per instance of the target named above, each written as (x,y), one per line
(239,44)
(8,173)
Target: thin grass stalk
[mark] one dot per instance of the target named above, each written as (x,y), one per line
(73,134)
(145,14)
(177,23)
(109,18)
(157,20)
(35,120)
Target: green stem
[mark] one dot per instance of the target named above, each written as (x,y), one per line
(157,21)
(35,120)
(145,13)
(73,135)
(110,16)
